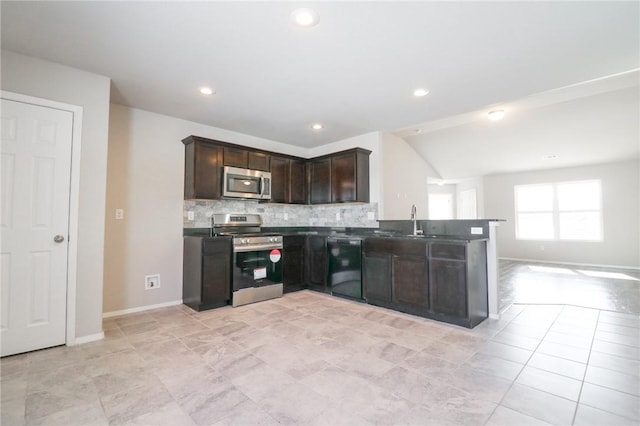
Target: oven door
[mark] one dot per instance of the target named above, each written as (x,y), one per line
(257,268)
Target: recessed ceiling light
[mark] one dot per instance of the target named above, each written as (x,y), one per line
(496,115)
(206,90)
(317,126)
(420,92)
(549,157)
(305,17)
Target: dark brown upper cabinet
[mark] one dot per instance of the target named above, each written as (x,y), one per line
(320,181)
(246,159)
(235,157)
(288,180)
(202,169)
(342,177)
(336,178)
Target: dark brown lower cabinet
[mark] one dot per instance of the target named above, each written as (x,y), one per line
(376,277)
(395,274)
(458,281)
(410,281)
(448,287)
(316,262)
(293,261)
(207,270)
(444,280)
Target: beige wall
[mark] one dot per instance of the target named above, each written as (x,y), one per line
(42,79)
(620,212)
(145,178)
(404,180)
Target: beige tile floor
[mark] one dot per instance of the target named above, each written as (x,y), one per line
(310,359)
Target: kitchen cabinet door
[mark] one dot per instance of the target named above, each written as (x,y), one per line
(206,281)
(411,281)
(203,171)
(288,180)
(258,161)
(216,280)
(280,181)
(317,262)
(293,260)
(235,157)
(350,176)
(298,182)
(449,288)
(343,178)
(320,181)
(376,277)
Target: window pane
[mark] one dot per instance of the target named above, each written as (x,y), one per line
(580,226)
(535,226)
(534,198)
(579,196)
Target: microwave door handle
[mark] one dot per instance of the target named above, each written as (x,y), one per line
(261,186)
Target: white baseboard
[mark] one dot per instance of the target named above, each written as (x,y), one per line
(570,263)
(141,309)
(86,339)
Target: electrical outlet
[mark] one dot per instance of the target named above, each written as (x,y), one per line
(119,214)
(286,216)
(191,215)
(151,281)
(337,216)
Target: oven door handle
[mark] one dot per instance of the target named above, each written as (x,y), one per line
(239,249)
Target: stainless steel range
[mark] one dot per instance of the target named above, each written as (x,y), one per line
(257,257)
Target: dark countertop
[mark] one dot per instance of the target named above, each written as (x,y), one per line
(345,232)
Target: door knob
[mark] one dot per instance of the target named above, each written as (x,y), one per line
(58,238)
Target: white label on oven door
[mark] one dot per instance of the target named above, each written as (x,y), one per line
(260,273)
(275,255)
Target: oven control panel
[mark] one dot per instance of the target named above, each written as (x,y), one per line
(261,241)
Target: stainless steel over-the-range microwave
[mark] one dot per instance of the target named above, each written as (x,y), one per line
(245,183)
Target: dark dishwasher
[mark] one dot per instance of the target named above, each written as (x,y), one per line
(345,263)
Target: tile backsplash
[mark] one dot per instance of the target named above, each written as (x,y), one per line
(337,215)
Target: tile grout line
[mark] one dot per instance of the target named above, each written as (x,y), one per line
(513,382)
(584,375)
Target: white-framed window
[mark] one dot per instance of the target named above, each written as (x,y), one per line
(559,211)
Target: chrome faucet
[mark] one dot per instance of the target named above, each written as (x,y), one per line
(413,218)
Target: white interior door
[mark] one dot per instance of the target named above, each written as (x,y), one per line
(34,220)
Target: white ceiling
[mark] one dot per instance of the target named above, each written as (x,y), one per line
(354,72)
(593,122)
